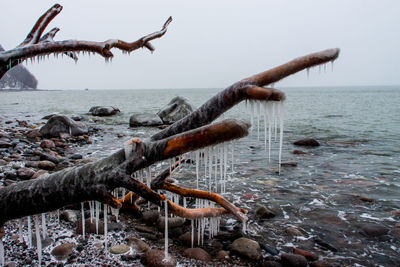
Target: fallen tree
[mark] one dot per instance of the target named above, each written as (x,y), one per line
(96,181)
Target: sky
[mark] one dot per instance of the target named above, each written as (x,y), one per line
(212,44)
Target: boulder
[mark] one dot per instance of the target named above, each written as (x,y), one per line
(306,142)
(176,109)
(156,258)
(197,253)
(62,124)
(103,110)
(144,119)
(246,247)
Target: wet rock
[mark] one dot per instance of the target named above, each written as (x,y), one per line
(363,198)
(289,163)
(246,247)
(138,245)
(271,250)
(153,237)
(63,124)
(33,134)
(270,263)
(10,175)
(90,227)
(39,173)
(69,216)
(46,143)
(263,212)
(45,156)
(172,223)
(150,217)
(176,109)
(292,231)
(62,252)
(144,119)
(293,260)
(321,263)
(46,165)
(76,156)
(325,245)
(25,173)
(197,253)
(143,228)
(3,162)
(186,239)
(307,254)
(4,144)
(374,230)
(155,258)
(222,255)
(306,142)
(103,110)
(120,249)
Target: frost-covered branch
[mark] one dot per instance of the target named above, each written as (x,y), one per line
(36,46)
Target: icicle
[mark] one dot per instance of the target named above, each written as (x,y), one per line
(269,129)
(225,166)
(105,227)
(166,230)
(332,64)
(233,154)
(281,117)
(83,220)
(325,67)
(308,73)
(251,115)
(192,223)
(97,216)
(38,241)
(244,227)
(258,119)
(197,168)
(91,211)
(58,216)
(21,238)
(44,227)
(2,259)
(29,232)
(265,125)
(274,116)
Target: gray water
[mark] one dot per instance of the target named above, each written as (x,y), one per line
(358,128)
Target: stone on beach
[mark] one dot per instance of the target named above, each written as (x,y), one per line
(175,110)
(103,110)
(144,119)
(246,247)
(197,253)
(62,124)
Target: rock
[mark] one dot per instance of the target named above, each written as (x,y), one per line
(321,263)
(176,109)
(263,212)
(374,230)
(90,227)
(246,247)
(138,245)
(62,252)
(144,119)
(270,263)
(271,250)
(46,165)
(130,257)
(363,198)
(62,124)
(307,254)
(172,223)
(144,228)
(222,255)
(293,260)
(25,173)
(155,258)
(289,163)
(3,162)
(197,253)
(298,152)
(186,239)
(306,142)
(325,245)
(69,216)
(120,249)
(150,217)
(103,111)
(4,144)
(45,156)
(33,134)
(46,143)
(292,231)
(76,156)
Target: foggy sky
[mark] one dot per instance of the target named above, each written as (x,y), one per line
(215,43)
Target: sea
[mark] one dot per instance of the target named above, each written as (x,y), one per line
(333,194)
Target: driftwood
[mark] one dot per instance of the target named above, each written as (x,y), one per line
(96,181)
(36,45)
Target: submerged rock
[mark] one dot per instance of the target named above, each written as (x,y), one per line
(103,110)
(176,109)
(62,124)
(246,247)
(145,119)
(306,142)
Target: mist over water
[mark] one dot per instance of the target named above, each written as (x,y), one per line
(358,128)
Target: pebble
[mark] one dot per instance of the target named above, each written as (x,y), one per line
(222,255)
(46,143)
(292,231)
(4,144)
(307,254)
(46,165)
(374,230)
(263,212)
(76,156)
(293,260)
(138,245)
(298,152)
(120,249)
(197,253)
(156,258)
(25,173)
